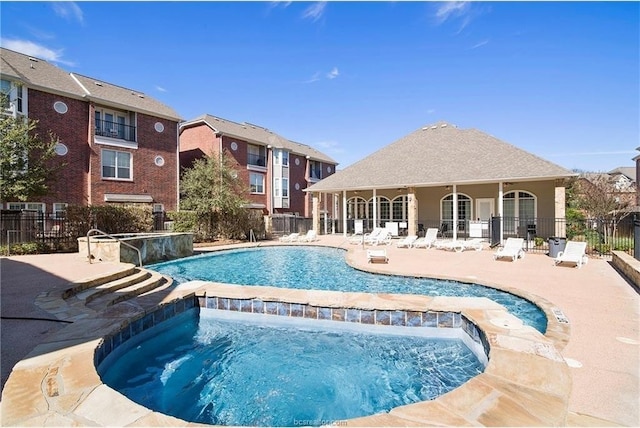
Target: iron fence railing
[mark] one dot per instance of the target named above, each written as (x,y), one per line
(115,130)
(602,235)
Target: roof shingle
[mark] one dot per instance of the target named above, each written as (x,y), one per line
(442,154)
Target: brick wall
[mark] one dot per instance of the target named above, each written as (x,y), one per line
(72,129)
(160,182)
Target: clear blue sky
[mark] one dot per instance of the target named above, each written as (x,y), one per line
(560,80)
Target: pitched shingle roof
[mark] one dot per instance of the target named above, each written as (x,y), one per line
(39,74)
(442,154)
(258,135)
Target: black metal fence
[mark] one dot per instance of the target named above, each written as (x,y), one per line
(23,226)
(602,235)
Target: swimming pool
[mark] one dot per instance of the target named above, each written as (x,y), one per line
(324,268)
(254,370)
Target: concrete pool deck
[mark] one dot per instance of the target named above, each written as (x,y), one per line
(601,306)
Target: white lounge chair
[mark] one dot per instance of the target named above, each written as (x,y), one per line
(356,238)
(429,238)
(383,237)
(367,237)
(512,248)
(458,245)
(574,252)
(407,242)
(309,237)
(374,256)
(292,237)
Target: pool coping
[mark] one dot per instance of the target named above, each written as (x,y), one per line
(526,382)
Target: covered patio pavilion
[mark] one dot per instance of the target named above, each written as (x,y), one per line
(441,176)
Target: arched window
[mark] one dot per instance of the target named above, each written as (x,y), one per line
(383,210)
(520,209)
(400,208)
(356,208)
(464,211)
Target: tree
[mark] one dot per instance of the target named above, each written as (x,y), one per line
(212,191)
(604,204)
(25,168)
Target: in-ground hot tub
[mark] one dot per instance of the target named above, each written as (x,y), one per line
(153,247)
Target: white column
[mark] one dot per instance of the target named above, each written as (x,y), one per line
(455,212)
(344,213)
(326,213)
(501,209)
(334,215)
(375,208)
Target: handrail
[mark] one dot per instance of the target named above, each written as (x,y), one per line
(112,237)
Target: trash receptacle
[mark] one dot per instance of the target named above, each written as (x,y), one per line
(556,244)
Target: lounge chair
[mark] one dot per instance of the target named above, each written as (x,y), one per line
(374,256)
(407,242)
(292,237)
(383,237)
(428,239)
(356,238)
(367,237)
(574,252)
(309,237)
(458,245)
(512,248)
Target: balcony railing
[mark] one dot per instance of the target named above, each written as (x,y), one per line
(115,130)
(258,160)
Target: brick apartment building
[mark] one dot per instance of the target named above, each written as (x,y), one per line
(275,169)
(119,145)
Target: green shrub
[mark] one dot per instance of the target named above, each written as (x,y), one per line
(109,219)
(538,241)
(25,248)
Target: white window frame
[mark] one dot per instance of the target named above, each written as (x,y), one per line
(276,187)
(256,188)
(31,206)
(462,199)
(16,94)
(59,208)
(158,208)
(285,187)
(117,154)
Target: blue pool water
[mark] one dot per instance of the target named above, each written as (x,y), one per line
(215,371)
(322,268)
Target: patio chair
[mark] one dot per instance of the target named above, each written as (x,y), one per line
(374,256)
(407,242)
(512,248)
(428,239)
(292,237)
(371,237)
(574,252)
(383,237)
(309,237)
(356,238)
(458,245)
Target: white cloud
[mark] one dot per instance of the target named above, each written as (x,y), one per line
(68,10)
(160,89)
(479,44)
(33,49)
(451,9)
(274,4)
(333,73)
(315,11)
(313,78)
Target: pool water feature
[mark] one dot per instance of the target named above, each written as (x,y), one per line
(323,268)
(266,371)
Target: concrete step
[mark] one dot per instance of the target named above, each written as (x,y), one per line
(79,286)
(138,275)
(152,282)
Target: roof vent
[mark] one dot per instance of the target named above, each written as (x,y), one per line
(434,127)
(444,125)
(141,95)
(33,59)
(425,128)
(98,83)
